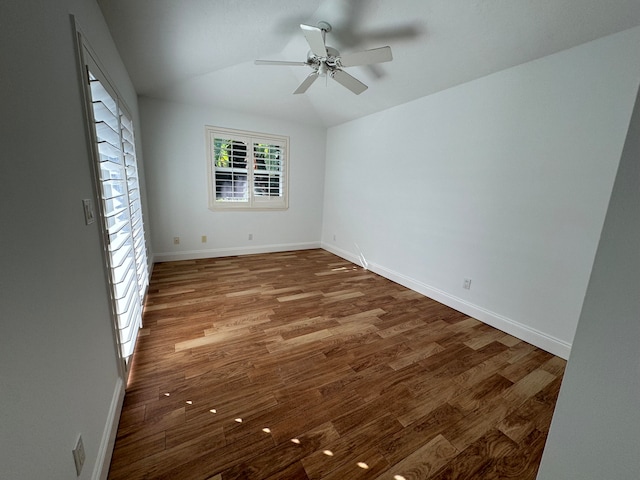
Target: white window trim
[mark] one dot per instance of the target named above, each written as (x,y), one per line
(254,203)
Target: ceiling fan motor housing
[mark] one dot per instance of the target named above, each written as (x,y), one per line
(331,60)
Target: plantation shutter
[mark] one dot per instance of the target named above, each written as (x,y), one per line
(135,203)
(232,165)
(121,211)
(247,169)
(268,171)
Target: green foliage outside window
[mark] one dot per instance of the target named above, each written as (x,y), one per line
(221,152)
(267,156)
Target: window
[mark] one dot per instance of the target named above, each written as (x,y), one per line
(120,204)
(247,170)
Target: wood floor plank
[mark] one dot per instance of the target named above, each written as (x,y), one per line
(417,434)
(355,442)
(416,355)
(264,466)
(300,365)
(475,460)
(425,461)
(363,465)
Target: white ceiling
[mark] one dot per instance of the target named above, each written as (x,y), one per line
(202,51)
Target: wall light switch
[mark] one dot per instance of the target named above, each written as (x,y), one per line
(78,455)
(89,212)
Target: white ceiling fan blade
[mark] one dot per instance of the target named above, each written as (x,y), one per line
(346,80)
(279,62)
(315,39)
(307,83)
(366,57)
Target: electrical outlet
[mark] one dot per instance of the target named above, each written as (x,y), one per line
(251,236)
(78,455)
(334,237)
(176,240)
(204,239)
(466,284)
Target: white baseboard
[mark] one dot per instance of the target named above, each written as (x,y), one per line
(523,332)
(101,468)
(230,252)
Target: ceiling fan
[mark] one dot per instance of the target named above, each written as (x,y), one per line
(328,62)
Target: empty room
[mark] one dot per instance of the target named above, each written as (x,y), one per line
(320,239)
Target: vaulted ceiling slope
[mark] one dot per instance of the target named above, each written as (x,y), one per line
(202,51)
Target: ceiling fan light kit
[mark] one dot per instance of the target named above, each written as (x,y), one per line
(327,62)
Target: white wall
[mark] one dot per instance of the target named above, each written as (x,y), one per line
(595,432)
(58,370)
(175,158)
(504,180)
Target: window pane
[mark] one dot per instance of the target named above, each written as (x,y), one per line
(268,170)
(230,160)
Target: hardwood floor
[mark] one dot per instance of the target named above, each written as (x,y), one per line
(300,365)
